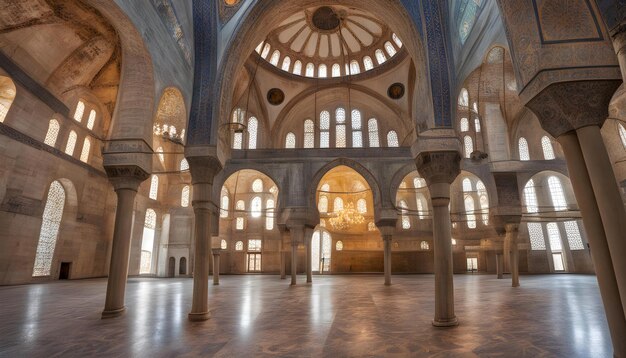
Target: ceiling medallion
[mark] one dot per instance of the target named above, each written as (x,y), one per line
(326,19)
(275,96)
(396,91)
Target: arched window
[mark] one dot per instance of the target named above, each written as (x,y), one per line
(223,244)
(535,232)
(338,204)
(237,140)
(184,197)
(419,183)
(340,128)
(357,135)
(84,154)
(310,70)
(322,71)
(322,206)
(324,129)
(53,133)
(321,251)
(475,107)
(530,197)
(464,98)
(548,151)
(424,245)
(253,128)
(290,141)
(380,56)
(622,134)
(339,245)
(259,47)
(239,246)
(467,185)
(372,127)
(256,207)
(371,226)
(160,154)
(484,208)
(184,165)
(309,133)
(240,221)
(354,67)
(286,63)
(147,242)
(154,187)
(469,212)
(524,153)
(368,64)
(325,187)
(469,146)
(361,206)
(390,49)
(392,139)
(397,40)
(92,119)
(554,236)
(266,50)
(297,68)
(80,111)
(422,207)
(406,221)
(556,193)
(71,143)
(52,215)
(477,125)
(464,124)
(269,214)
(573,236)
(453,241)
(257,186)
(224,205)
(275,57)
(336,70)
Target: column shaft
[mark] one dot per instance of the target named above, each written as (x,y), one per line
(283,263)
(120,253)
(216,268)
(444,286)
(499,266)
(309,270)
(294,262)
(387,259)
(512,232)
(200,303)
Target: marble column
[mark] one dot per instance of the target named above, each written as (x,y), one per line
(512,231)
(439,169)
(125,181)
(283,263)
(297,237)
(596,236)
(216,266)
(308,236)
(203,170)
(499,266)
(386,233)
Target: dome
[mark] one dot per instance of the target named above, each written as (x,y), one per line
(329,42)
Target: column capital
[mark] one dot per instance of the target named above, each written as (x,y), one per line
(387,231)
(126,176)
(203,169)
(566,106)
(438,167)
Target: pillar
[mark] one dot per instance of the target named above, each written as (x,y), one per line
(387,259)
(499,266)
(308,236)
(297,236)
(203,170)
(439,169)
(216,266)
(596,236)
(512,231)
(126,189)
(618,34)
(283,263)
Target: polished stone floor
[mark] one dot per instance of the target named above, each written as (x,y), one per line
(337,316)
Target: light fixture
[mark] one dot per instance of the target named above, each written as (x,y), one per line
(346,218)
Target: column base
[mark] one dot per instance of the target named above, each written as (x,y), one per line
(113,313)
(198,317)
(446,323)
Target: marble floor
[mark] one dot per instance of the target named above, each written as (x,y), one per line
(336,316)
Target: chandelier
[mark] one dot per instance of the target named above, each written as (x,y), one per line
(346,217)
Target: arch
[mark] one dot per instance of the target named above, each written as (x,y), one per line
(182,266)
(7,96)
(321,250)
(290,141)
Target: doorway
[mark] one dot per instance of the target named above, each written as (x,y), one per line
(254,262)
(472,264)
(65,271)
(171,268)
(182,269)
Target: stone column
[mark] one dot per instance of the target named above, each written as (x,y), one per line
(512,231)
(125,181)
(618,34)
(283,263)
(308,236)
(439,169)
(203,170)
(297,236)
(216,266)
(499,266)
(387,235)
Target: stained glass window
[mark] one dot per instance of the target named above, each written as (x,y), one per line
(286,63)
(80,111)
(84,154)
(622,134)
(548,151)
(338,204)
(530,197)
(357,135)
(464,98)
(322,71)
(266,50)
(556,193)
(361,206)
(397,40)
(390,49)
(372,127)
(297,68)
(424,245)
(340,119)
(380,56)
(554,236)
(535,232)
(469,146)
(322,206)
(368,64)
(184,165)
(52,214)
(71,143)
(392,139)
(275,57)
(239,246)
(253,128)
(255,207)
(336,70)
(290,141)
(464,125)
(524,153)
(309,133)
(354,67)
(92,119)
(53,133)
(469,212)
(154,187)
(324,129)
(184,197)
(573,236)
(269,215)
(257,186)
(310,70)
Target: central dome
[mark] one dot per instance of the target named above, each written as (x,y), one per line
(326,19)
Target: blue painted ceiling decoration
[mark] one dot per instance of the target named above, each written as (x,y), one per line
(465,16)
(168,15)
